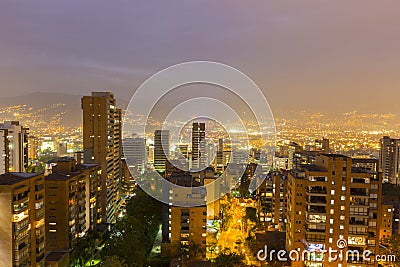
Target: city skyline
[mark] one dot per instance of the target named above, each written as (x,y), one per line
(199,133)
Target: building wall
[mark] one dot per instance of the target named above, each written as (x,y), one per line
(161,141)
(22,221)
(385,230)
(14,147)
(188,225)
(334,201)
(60,208)
(102,145)
(6,231)
(389,159)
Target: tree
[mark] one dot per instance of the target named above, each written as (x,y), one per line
(194,250)
(83,250)
(113,261)
(126,242)
(251,214)
(229,259)
(132,237)
(267,208)
(251,244)
(392,248)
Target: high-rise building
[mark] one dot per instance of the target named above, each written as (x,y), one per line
(198,145)
(389,160)
(14,147)
(188,224)
(184,218)
(161,149)
(333,200)
(134,150)
(386,229)
(33,147)
(272,201)
(322,145)
(22,219)
(224,152)
(102,145)
(71,203)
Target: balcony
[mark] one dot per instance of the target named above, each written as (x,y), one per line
(360,214)
(39,215)
(21,247)
(39,187)
(21,236)
(40,258)
(359,181)
(316,209)
(315,239)
(316,190)
(359,202)
(362,232)
(21,206)
(354,221)
(359,192)
(316,231)
(317,200)
(22,197)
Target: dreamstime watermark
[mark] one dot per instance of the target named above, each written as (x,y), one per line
(319,254)
(190,106)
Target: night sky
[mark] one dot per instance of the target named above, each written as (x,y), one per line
(322,55)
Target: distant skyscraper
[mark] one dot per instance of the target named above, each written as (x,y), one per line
(134,150)
(198,145)
(33,147)
(161,149)
(102,145)
(389,160)
(13,147)
(22,219)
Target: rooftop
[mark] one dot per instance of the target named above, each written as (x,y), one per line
(63,159)
(15,177)
(335,156)
(61,176)
(362,170)
(313,168)
(86,166)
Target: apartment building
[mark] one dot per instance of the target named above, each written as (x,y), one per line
(102,144)
(13,147)
(72,202)
(333,200)
(22,219)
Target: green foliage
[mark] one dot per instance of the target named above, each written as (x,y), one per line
(244,187)
(229,259)
(251,214)
(267,208)
(392,247)
(35,168)
(251,244)
(47,155)
(194,250)
(113,261)
(83,249)
(132,238)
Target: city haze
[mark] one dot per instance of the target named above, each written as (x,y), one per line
(309,55)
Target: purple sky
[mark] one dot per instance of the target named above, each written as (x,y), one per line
(322,55)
